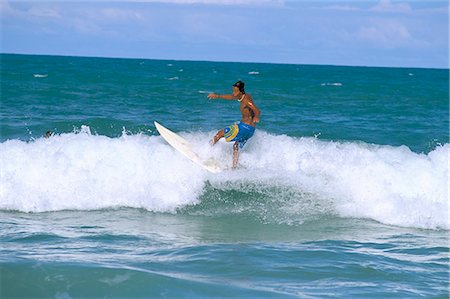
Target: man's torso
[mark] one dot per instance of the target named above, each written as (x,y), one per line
(247,113)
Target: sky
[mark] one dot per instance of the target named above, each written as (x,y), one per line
(363,33)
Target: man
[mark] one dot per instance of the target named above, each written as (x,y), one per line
(242,131)
(48,134)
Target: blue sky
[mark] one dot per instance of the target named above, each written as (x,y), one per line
(366,33)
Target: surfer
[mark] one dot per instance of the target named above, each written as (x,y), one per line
(48,134)
(242,131)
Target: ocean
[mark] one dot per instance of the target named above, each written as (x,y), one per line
(343,192)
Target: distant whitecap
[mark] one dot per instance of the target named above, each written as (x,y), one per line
(331,84)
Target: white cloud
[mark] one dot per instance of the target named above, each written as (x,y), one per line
(221,2)
(44,12)
(114,13)
(207,2)
(4,3)
(435,10)
(387,6)
(339,7)
(386,33)
(381,6)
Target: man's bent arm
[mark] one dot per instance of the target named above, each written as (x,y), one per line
(252,106)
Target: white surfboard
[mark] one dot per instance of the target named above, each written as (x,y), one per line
(181,145)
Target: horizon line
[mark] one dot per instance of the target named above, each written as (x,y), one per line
(224,61)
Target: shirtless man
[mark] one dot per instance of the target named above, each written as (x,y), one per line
(242,131)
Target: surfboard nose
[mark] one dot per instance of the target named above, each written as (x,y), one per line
(184,147)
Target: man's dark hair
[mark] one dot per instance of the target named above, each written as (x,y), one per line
(239,84)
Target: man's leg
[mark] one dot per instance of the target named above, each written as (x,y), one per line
(235,154)
(217,137)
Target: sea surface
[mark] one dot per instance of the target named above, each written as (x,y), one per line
(343,192)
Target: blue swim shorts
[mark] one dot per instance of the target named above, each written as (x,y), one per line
(239,132)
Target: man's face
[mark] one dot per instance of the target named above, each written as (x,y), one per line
(235,91)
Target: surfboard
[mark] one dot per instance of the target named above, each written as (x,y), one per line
(183,146)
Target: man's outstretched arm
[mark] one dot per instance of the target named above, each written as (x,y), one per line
(221,96)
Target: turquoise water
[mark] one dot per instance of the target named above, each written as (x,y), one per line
(342,192)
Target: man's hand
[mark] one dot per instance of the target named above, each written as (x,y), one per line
(213,96)
(256,119)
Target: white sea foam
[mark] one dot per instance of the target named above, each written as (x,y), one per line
(40,75)
(81,171)
(331,84)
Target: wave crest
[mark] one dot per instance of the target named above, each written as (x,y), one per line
(282,179)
